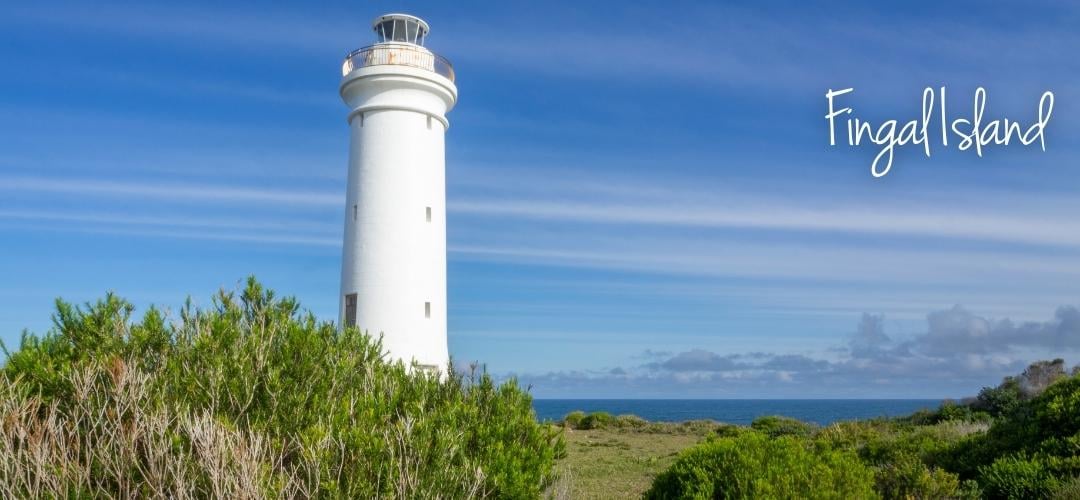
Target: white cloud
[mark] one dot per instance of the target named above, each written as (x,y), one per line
(165,191)
(958,353)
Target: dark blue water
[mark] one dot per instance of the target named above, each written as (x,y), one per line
(737,411)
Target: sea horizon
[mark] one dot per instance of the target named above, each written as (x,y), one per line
(740,411)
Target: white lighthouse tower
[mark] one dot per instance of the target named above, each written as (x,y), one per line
(393,270)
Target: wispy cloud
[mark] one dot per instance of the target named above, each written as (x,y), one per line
(656,206)
(835,262)
(179,191)
(808,48)
(724,50)
(239,27)
(1041,229)
(194,220)
(228,236)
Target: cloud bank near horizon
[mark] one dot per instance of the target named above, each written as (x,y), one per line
(958,353)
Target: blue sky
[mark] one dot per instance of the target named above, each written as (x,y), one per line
(642,201)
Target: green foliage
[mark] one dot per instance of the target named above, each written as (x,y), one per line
(573,419)
(630,421)
(1001,400)
(1017,478)
(596,420)
(1046,427)
(774,426)
(949,411)
(753,465)
(1009,396)
(727,430)
(903,455)
(345,422)
(907,476)
(1020,439)
(1068,489)
(1033,446)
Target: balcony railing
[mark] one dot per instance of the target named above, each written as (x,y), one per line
(397,54)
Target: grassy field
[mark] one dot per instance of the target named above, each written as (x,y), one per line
(621,462)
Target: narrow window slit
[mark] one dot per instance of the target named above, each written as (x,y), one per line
(350,309)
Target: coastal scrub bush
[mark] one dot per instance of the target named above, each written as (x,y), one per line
(1009,396)
(596,420)
(753,465)
(903,455)
(906,476)
(1017,478)
(573,419)
(252,398)
(1069,489)
(1046,426)
(1001,400)
(630,422)
(774,426)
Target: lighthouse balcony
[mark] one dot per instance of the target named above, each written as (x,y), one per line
(400,54)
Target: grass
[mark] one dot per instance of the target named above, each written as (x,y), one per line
(617,462)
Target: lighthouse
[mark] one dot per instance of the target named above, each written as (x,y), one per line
(393,269)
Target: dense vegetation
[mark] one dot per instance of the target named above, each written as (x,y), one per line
(753,465)
(252,398)
(1019,440)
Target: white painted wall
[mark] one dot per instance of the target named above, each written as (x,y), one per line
(393,258)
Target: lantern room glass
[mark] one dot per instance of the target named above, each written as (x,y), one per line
(400,31)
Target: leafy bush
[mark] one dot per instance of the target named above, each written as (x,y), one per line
(1008,397)
(1017,478)
(252,398)
(596,420)
(630,421)
(1001,400)
(1068,489)
(774,426)
(727,430)
(753,465)
(907,476)
(1030,448)
(949,411)
(1046,427)
(573,419)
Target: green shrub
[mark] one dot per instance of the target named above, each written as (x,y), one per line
(1068,489)
(1046,426)
(906,476)
(573,419)
(727,430)
(949,411)
(753,465)
(596,420)
(630,422)
(253,398)
(1056,412)
(1001,400)
(775,426)
(1017,478)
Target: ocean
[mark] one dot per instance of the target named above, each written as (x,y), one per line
(737,411)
